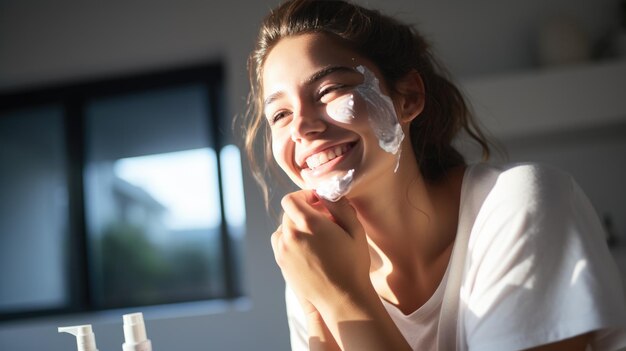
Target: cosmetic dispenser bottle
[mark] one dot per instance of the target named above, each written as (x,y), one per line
(85,338)
(135,338)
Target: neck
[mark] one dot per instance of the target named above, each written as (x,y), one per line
(410,222)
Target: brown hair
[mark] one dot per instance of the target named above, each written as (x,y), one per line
(396,49)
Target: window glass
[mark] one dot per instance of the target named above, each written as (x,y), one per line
(33,210)
(152,199)
(234,207)
(234,202)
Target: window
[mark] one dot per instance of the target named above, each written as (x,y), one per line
(113,195)
(33,210)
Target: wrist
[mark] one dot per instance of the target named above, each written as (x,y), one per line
(360,305)
(320,336)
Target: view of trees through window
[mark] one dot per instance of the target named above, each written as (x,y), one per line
(163,220)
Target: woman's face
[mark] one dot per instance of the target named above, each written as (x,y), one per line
(318,101)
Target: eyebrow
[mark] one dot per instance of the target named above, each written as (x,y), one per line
(312,79)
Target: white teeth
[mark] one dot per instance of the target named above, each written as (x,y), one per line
(322,157)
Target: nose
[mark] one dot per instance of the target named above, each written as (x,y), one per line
(307,123)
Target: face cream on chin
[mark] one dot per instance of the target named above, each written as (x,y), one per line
(336,187)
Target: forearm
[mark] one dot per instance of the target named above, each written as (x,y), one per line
(362,323)
(320,337)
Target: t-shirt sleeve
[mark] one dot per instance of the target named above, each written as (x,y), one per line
(538,269)
(298,333)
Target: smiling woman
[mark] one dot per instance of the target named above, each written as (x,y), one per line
(416,249)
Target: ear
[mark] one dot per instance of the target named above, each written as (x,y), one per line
(410,96)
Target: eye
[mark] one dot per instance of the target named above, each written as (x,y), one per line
(279,115)
(327,90)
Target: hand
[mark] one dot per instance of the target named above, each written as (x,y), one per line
(322,250)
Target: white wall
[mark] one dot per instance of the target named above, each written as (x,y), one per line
(49,41)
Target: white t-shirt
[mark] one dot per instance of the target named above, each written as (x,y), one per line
(529,267)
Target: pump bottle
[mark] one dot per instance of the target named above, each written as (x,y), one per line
(135,333)
(85,338)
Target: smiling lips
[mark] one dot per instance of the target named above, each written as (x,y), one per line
(329,154)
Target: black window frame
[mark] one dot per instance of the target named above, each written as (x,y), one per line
(72,97)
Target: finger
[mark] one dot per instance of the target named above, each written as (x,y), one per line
(289,231)
(275,239)
(345,216)
(279,247)
(303,208)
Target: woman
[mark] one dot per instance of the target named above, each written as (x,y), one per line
(394,243)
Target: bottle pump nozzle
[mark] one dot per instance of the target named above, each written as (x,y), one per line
(135,333)
(85,338)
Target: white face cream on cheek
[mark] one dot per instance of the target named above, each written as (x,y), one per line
(341,109)
(382,114)
(333,189)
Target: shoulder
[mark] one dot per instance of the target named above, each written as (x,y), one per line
(537,269)
(534,210)
(522,178)
(527,187)
(535,177)
(528,207)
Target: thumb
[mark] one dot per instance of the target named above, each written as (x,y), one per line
(345,216)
